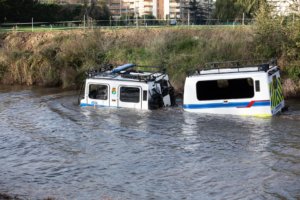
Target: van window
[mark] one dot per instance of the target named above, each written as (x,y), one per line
(97,91)
(225,89)
(145,92)
(257,86)
(130,94)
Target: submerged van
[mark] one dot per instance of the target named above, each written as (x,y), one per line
(239,90)
(127,87)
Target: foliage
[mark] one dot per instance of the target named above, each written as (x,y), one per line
(251,6)
(270,33)
(232,9)
(227,10)
(279,37)
(199,11)
(25,10)
(63,59)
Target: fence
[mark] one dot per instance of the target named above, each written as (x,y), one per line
(127,23)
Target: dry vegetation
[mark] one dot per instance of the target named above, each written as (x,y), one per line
(61,58)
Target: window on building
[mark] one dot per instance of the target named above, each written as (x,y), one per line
(97,91)
(130,94)
(225,89)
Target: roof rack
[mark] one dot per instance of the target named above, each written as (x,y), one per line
(101,70)
(126,70)
(235,67)
(262,65)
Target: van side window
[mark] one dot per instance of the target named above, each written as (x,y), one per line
(145,92)
(130,94)
(225,89)
(97,91)
(257,86)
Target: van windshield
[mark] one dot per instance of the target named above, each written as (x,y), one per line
(225,89)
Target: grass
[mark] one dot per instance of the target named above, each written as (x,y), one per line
(47,28)
(60,58)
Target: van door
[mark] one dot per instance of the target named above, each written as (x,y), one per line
(98,94)
(130,97)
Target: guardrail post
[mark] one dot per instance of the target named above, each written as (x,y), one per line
(32,24)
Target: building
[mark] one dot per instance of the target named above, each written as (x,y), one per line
(62,1)
(128,8)
(160,9)
(285,7)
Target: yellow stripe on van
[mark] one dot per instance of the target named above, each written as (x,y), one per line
(276,93)
(258,115)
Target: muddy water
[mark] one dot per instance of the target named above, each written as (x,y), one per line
(50,147)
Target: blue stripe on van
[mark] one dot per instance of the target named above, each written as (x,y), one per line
(87,104)
(226,105)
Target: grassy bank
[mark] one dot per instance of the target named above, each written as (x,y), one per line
(61,58)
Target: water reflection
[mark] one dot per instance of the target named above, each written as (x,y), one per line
(51,147)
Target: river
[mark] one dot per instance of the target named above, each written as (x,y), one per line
(51,147)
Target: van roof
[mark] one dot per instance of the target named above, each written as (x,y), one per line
(127,72)
(235,67)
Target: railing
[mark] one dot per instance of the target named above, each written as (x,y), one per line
(115,23)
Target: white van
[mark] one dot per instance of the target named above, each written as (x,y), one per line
(129,88)
(242,90)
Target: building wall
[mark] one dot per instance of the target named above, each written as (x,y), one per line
(160,9)
(285,7)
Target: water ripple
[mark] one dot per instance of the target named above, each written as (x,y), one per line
(50,147)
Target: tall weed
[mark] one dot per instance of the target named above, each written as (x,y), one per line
(61,58)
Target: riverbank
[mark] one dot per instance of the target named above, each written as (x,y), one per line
(4,196)
(61,58)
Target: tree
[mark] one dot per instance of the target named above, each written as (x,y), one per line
(227,10)
(200,10)
(296,7)
(96,9)
(3,10)
(250,6)
(24,10)
(18,10)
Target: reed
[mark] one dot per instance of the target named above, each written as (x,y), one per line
(61,58)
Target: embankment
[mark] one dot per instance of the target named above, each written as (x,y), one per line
(61,58)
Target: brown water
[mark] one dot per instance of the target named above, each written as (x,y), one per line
(50,147)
